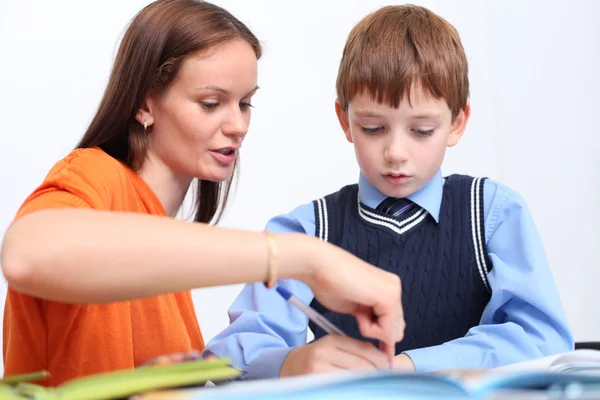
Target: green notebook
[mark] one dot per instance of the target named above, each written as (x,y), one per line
(119,384)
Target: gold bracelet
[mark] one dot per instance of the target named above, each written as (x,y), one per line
(272,255)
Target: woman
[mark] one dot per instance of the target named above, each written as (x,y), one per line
(99,270)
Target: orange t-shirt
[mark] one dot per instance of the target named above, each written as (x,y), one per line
(75,340)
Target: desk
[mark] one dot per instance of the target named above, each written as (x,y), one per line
(349,386)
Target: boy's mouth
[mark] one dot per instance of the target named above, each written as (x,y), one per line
(396,178)
(396,174)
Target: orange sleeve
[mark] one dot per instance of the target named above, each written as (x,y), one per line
(73,340)
(81,180)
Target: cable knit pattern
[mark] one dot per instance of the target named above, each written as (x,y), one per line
(443,292)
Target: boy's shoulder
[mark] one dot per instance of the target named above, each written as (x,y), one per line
(302,218)
(501,202)
(342,193)
(492,189)
(500,194)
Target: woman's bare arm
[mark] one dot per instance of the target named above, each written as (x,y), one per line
(89,256)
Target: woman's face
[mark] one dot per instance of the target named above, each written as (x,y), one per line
(197,125)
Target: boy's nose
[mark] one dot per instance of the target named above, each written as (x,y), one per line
(396,152)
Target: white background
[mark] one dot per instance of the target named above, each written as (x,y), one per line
(534,85)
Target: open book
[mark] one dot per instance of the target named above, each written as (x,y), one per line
(120,384)
(578,361)
(575,372)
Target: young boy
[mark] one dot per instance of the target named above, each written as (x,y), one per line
(477,289)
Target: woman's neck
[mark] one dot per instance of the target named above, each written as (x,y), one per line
(169,187)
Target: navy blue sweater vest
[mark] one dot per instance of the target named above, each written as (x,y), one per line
(443,266)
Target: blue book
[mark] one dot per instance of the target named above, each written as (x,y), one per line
(550,378)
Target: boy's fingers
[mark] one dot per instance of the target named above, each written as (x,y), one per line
(361,349)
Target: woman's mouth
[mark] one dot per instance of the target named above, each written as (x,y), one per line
(225,155)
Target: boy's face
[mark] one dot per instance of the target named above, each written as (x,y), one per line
(400,150)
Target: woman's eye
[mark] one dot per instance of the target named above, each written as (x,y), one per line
(209,105)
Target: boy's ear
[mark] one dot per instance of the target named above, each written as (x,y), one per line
(144,113)
(459,125)
(343,118)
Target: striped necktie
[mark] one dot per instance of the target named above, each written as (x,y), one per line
(394,206)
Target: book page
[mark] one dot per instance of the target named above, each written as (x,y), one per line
(539,364)
(582,358)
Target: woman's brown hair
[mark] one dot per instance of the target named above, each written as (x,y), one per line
(153,48)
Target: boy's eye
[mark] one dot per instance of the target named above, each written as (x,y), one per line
(424,132)
(371,130)
(209,105)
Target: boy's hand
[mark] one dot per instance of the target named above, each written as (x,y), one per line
(344,283)
(333,353)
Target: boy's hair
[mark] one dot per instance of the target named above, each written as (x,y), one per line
(397,47)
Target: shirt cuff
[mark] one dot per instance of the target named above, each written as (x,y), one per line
(267,364)
(432,358)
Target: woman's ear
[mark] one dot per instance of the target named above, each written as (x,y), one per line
(144,114)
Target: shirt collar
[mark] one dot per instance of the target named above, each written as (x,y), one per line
(429,197)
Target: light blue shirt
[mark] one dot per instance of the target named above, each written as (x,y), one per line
(523,320)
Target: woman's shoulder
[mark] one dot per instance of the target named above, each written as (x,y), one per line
(92,157)
(92,163)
